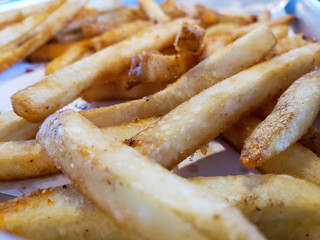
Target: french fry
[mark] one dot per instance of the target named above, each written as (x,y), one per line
(282,207)
(280,31)
(48,52)
(206,16)
(230,60)
(294,113)
(103,6)
(153,67)
(181,211)
(19,29)
(59,213)
(26,159)
(37,101)
(121,15)
(212,111)
(153,11)
(13,127)
(97,28)
(172,9)
(215,43)
(190,39)
(264,16)
(69,37)
(21,13)
(49,28)
(102,91)
(296,161)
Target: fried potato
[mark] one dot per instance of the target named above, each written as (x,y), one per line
(294,113)
(296,161)
(154,67)
(121,15)
(103,6)
(115,90)
(282,207)
(59,213)
(21,13)
(190,39)
(48,29)
(26,159)
(173,9)
(228,61)
(19,29)
(13,127)
(264,16)
(215,43)
(181,211)
(151,9)
(212,111)
(48,52)
(39,100)
(97,28)
(206,16)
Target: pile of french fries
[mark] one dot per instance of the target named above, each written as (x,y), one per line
(191,74)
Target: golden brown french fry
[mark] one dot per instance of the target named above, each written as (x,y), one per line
(282,207)
(154,67)
(48,52)
(280,31)
(69,37)
(19,29)
(172,9)
(59,213)
(222,29)
(292,116)
(240,19)
(153,11)
(296,161)
(21,13)
(121,15)
(206,16)
(36,102)
(48,29)
(228,61)
(26,159)
(181,211)
(212,111)
(102,91)
(13,127)
(190,39)
(97,28)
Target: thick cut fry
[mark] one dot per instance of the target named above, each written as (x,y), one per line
(17,30)
(21,13)
(282,207)
(153,10)
(49,28)
(190,39)
(214,44)
(235,57)
(139,193)
(97,28)
(296,161)
(102,91)
(212,111)
(172,9)
(153,67)
(26,159)
(289,121)
(48,52)
(38,101)
(59,213)
(206,16)
(13,127)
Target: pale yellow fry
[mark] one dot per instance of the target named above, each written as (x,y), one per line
(49,52)
(59,213)
(153,10)
(21,13)
(139,193)
(296,161)
(17,30)
(42,33)
(202,118)
(292,116)
(26,159)
(282,207)
(173,9)
(36,102)
(190,39)
(228,61)
(153,67)
(103,6)
(280,31)
(13,127)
